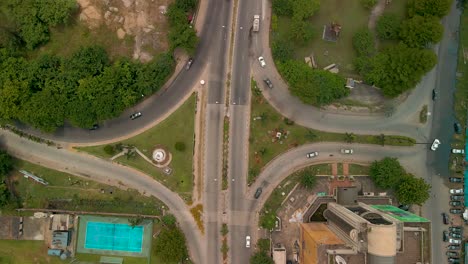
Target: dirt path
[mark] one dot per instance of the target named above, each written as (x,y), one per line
(376,12)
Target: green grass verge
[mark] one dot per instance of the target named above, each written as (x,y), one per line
(179,127)
(356,169)
(350,14)
(266,122)
(70,192)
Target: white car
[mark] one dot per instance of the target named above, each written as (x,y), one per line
(262,61)
(455,241)
(247,241)
(347,151)
(312,154)
(456,191)
(458,151)
(435,144)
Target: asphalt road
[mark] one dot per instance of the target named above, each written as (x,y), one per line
(211,50)
(108,173)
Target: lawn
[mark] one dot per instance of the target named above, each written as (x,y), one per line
(397,7)
(179,127)
(350,14)
(356,169)
(264,146)
(70,192)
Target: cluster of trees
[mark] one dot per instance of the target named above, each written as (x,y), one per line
(6,165)
(389,174)
(399,68)
(181,33)
(32,19)
(84,89)
(299,11)
(312,86)
(170,244)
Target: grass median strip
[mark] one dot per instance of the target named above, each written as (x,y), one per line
(175,134)
(272,134)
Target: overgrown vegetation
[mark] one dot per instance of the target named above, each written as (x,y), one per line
(389,174)
(423,115)
(170,245)
(197,213)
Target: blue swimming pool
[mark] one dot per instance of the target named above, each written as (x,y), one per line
(117,237)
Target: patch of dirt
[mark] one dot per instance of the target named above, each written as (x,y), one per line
(142,21)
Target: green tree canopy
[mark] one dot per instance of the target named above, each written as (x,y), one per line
(6,163)
(386,173)
(363,42)
(170,245)
(438,8)
(388,26)
(411,190)
(316,87)
(308,178)
(419,31)
(282,50)
(169,220)
(261,257)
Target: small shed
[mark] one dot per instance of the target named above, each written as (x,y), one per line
(60,239)
(54,252)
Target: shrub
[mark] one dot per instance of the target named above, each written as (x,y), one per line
(369,4)
(109,150)
(388,26)
(169,220)
(363,42)
(180,146)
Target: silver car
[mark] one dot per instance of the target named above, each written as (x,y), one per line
(347,151)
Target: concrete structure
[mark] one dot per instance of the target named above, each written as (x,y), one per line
(360,233)
(279,254)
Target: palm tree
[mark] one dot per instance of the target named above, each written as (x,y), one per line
(350,137)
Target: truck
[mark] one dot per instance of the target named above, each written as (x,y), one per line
(256,23)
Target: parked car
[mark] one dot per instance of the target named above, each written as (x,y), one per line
(455,179)
(94,127)
(457,128)
(135,115)
(189,64)
(455,203)
(456,211)
(258,192)
(445,218)
(454,235)
(268,83)
(456,191)
(454,260)
(456,197)
(262,61)
(458,151)
(247,241)
(347,151)
(454,241)
(434,94)
(456,229)
(451,254)
(445,236)
(435,144)
(453,247)
(312,154)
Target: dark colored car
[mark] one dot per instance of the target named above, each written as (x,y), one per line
(434,95)
(445,218)
(456,197)
(455,235)
(189,64)
(289,262)
(135,115)
(455,203)
(455,179)
(453,247)
(94,127)
(451,253)
(268,82)
(445,236)
(457,128)
(258,192)
(454,260)
(456,211)
(456,229)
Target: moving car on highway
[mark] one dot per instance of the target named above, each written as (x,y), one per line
(268,83)
(347,151)
(258,192)
(312,154)
(135,115)
(262,61)
(435,144)
(247,241)
(189,64)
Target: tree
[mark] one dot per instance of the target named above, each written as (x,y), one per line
(180,146)
(186,5)
(301,31)
(304,9)
(6,163)
(369,4)
(316,87)
(438,8)
(350,137)
(363,42)
(411,190)
(419,31)
(170,245)
(261,257)
(268,220)
(386,173)
(56,12)
(308,178)
(263,244)
(282,7)
(388,26)
(169,220)
(4,194)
